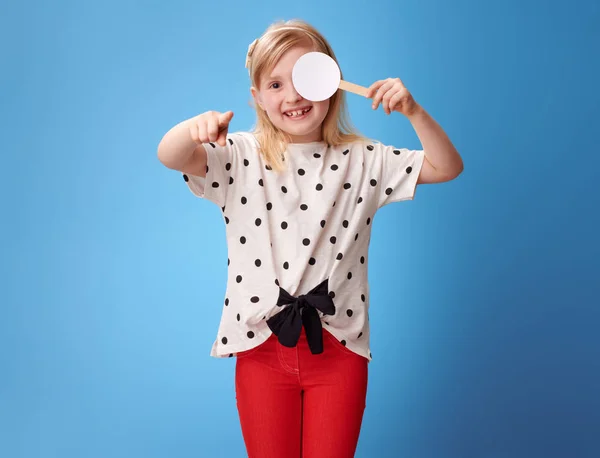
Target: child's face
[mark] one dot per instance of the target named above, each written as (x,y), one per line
(277,96)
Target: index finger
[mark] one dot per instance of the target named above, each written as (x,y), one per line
(374,87)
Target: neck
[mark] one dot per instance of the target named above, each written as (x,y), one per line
(312,137)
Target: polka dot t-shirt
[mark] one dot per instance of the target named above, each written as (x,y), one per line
(298,228)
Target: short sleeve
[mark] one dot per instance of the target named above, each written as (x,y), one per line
(399,172)
(224,164)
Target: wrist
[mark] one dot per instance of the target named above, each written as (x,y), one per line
(416,112)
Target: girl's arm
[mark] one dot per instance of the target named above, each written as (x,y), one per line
(442,160)
(178,151)
(182,147)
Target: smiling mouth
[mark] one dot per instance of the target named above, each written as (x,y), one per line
(297,113)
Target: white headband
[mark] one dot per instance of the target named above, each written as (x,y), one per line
(249,54)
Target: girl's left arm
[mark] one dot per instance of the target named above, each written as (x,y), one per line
(442,160)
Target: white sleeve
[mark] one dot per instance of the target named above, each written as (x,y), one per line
(224,163)
(399,171)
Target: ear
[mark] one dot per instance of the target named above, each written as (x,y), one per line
(256,95)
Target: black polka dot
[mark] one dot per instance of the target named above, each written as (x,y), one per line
(260,182)
(368,221)
(207,169)
(238,317)
(316,155)
(331,294)
(226,301)
(388,191)
(346,152)
(370,147)
(284,225)
(347,185)
(319,187)
(258,221)
(396,152)
(312,261)
(349,312)
(304,207)
(257,263)
(333,239)
(185,178)
(286,265)
(215,184)
(339,256)
(349,275)
(373,182)
(269,205)
(301,172)
(268,167)
(224,340)
(226,220)
(244,200)
(359,336)
(323,223)
(228,166)
(360,199)
(334,167)
(362,259)
(362,297)
(246,163)
(356,237)
(228,261)
(284,189)
(212,144)
(408,169)
(238,279)
(230,180)
(242,239)
(306,242)
(254,299)
(277,282)
(345,224)
(230,141)
(343,342)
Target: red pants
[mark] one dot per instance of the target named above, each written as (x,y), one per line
(293,404)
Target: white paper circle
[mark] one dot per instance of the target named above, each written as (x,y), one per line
(316,76)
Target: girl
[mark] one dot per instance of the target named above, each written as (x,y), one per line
(298,196)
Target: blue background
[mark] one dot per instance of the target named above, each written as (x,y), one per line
(485,290)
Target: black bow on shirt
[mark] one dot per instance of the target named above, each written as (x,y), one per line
(302,310)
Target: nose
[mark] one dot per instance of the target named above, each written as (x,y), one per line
(292,95)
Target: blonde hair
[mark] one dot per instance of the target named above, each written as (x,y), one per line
(263,55)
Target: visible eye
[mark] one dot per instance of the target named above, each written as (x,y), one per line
(273,84)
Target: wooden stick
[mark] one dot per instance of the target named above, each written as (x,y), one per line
(354,88)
